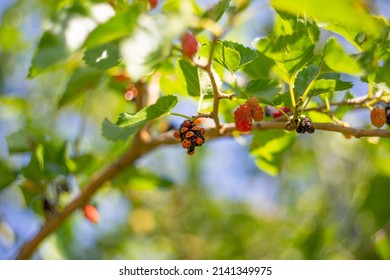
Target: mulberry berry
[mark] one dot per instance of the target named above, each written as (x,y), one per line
(387,111)
(243,118)
(378,117)
(91,213)
(191,136)
(153,3)
(304,125)
(256,110)
(189,44)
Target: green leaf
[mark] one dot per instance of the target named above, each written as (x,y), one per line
(341,12)
(338,60)
(290,52)
(216,12)
(113,132)
(129,124)
(115,28)
(22,141)
(191,76)
(325,86)
(304,78)
(382,77)
(80,81)
(141,179)
(102,57)
(260,67)
(246,54)
(34,170)
(162,106)
(230,55)
(51,50)
(267,91)
(8,175)
(268,148)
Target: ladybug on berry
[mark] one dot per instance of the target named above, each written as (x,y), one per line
(190,135)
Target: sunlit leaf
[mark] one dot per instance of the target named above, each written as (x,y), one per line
(289,51)
(304,78)
(117,27)
(324,86)
(338,60)
(342,12)
(216,12)
(382,77)
(128,124)
(191,76)
(230,55)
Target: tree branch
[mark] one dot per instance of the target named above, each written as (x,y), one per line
(141,146)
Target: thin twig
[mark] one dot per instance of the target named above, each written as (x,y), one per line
(208,69)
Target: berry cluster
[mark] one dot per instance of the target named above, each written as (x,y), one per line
(378,116)
(244,114)
(304,125)
(190,135)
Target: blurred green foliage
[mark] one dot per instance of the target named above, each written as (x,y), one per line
(329,197)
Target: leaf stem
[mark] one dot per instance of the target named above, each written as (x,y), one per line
(181,115)
(307,90)
(292,95)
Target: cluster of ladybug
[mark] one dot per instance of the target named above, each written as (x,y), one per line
(380,116)
(304,125)
(190,135)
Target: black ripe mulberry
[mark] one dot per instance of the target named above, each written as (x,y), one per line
(304,125)
(190,135)
(387,112)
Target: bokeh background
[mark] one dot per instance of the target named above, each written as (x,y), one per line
(330,201)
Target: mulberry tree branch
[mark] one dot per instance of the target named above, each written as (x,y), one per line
(141,147)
